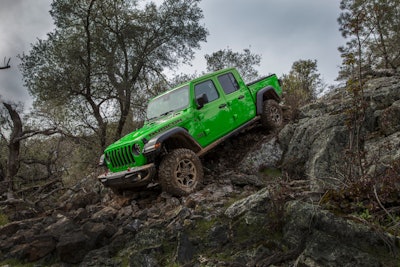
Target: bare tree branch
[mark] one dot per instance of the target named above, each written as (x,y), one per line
(31,133)
(14,144)
(383,207)
(6,64)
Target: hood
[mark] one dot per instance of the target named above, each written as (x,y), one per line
(150,129)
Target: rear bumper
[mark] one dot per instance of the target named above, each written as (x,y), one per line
(135,177)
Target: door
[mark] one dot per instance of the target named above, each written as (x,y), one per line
(238,99)
(215,116)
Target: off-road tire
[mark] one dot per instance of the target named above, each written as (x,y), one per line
(272,115)
(181,172)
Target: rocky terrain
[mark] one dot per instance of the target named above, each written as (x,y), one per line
(276,199)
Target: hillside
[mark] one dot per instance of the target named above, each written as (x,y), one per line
(270,199)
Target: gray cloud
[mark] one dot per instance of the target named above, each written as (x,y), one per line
(22,22)
(281,31)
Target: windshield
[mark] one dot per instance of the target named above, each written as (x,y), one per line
(175,100)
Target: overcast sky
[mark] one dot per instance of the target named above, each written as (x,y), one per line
(280,31)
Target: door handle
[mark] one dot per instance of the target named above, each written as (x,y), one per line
(241,97)
(222,106)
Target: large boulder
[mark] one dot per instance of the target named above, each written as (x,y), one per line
(73,247)
(315,145)
(258,202)
(265,154)
(323,239)
(40,247)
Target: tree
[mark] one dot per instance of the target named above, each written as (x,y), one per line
(304,80)
(226,58)
(383,21)
(372,28)
(100,55)
(181,78)
(302,84)
(373,32)
(10,121)
(352,25)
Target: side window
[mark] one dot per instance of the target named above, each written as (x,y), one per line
(228,83)
(207,88)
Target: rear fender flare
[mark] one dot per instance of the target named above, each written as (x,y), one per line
(264,94)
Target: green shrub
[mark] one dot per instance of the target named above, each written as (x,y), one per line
(3,219)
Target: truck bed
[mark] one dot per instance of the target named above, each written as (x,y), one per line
(270,80)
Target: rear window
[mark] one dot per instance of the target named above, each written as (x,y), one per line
(228,83)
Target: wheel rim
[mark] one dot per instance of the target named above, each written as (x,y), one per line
(275,115)
(185,173)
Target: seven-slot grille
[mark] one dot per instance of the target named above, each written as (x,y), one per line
(121,157)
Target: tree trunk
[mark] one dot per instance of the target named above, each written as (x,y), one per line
(382,42)
(3,187)
(125,107)
(102,132)
(2,173)
(13,148)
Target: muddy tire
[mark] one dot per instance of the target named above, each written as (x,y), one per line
(272,115)
(181,172)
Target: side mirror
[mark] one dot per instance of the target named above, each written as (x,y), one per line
(201,101)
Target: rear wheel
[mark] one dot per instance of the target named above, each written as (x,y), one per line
(181,172)
(272,115)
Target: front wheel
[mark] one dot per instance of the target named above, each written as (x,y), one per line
(181,172)
(272,115)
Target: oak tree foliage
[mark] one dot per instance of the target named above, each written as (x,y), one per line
(95,64)
(245,62)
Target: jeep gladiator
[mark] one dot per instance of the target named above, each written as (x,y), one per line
(183,124)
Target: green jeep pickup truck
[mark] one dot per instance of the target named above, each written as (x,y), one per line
(183,124)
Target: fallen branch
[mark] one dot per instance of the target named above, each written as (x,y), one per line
(380,204)
(38,188)
(42,197)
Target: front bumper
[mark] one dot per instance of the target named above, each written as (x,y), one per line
(132,178)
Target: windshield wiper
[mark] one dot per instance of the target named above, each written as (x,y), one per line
(162,114)
(152,118)
(166,113)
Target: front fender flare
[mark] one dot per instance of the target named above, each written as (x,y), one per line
(154,145)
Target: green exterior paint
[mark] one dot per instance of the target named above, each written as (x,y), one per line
(231,104)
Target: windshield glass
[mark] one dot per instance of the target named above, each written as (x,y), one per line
(173,101)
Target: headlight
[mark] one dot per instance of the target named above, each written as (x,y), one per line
(101,161)
(136,149)
(151,147)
